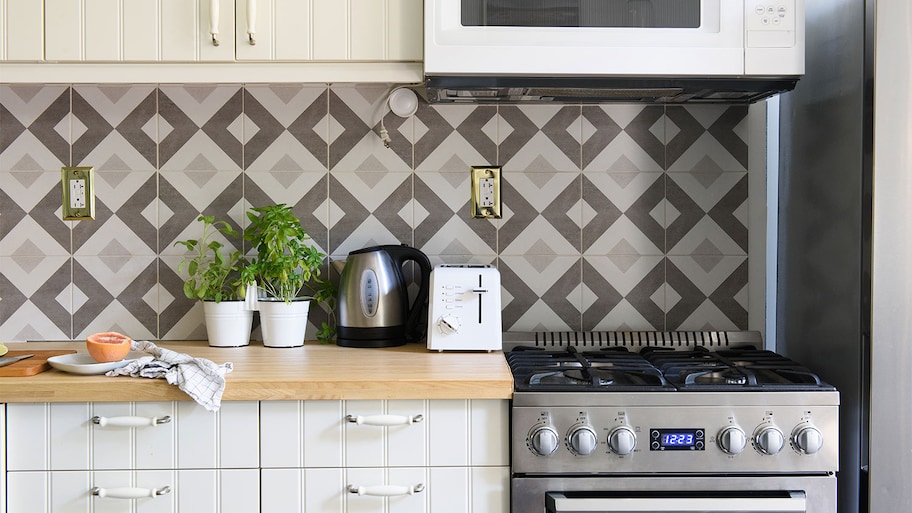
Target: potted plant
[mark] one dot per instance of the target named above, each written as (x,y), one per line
(214,277)
(286,269)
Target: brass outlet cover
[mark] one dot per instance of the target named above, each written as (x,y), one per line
(78,192)
(486,192)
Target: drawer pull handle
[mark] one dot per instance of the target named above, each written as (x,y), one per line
(386,490)
(251,21)
(130,421)
(214,21)
(130,493)
(384,420)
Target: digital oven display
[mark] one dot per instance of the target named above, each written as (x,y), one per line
(677,439)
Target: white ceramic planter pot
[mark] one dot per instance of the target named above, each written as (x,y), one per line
(227,323)
(283,324)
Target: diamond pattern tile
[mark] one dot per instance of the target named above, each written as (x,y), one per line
(616,216)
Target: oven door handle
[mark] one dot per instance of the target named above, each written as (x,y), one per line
(794,502)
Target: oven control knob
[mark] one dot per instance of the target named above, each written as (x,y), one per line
(807,439)
(582,440)
(622,440)
(769,440)
(732,440)
(543,440)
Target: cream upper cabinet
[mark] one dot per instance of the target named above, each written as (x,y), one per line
(181,31)
(211,41)
(329,30)
(21,34)
(138,30)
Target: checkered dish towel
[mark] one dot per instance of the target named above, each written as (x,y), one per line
(200,378)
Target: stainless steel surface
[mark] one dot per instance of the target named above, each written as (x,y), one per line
(529,494)
(8,360)
(373,303)
(786,502)
(824,219)
(788,412)
(891,330)
(610,439)
(389,302)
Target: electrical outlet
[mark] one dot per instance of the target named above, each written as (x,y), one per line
(486,192)
(78,192)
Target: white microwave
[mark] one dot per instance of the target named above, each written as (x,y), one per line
(740,50)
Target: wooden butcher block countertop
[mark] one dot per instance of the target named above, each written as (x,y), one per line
(314,371)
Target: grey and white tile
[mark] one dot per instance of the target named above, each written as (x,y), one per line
(699,132)
(35,132)
(185,195)
(623,292)
(541,292)
(37,297)
(31,222)
(623,138)
(543,214)
(354,131)
(623,210)
(200,128)
(369,208)
(539,138)
(453,138)
(114,127)
(115,292)
(443,225)
(286,128)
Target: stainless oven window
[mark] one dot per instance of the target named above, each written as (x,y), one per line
(748,502)
(582,13)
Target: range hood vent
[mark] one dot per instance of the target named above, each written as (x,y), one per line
(603,89)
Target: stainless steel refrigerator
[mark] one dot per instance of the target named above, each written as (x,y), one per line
(844,283)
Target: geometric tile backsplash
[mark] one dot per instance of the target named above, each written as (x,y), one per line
(615,217)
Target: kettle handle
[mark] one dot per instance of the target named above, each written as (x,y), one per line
(415,330)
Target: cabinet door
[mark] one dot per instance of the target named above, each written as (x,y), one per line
(21,30)
(330,30)
(63,436)
(136,30)
(446,489)
(188,491)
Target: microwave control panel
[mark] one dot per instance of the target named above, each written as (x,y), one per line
(770,23)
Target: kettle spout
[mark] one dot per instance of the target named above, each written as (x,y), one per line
(338,265)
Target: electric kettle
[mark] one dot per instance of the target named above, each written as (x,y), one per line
(373,307)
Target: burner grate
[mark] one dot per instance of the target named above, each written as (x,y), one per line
(633,340)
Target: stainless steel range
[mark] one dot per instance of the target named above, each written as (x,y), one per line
(668,422)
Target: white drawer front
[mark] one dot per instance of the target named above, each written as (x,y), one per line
(62,436)
(445,489)
(189,491)
(312,434)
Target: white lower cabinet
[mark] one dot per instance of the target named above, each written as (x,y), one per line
(397,456)
(198,491)
(445,490)
(435,456)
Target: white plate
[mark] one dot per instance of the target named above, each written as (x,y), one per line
(83,363)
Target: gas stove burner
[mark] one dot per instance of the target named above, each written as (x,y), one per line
(722,377)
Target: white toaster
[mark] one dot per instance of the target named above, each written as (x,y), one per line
(464,309)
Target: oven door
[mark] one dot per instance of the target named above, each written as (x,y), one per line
(754,502)
(674,494)
(585,37)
